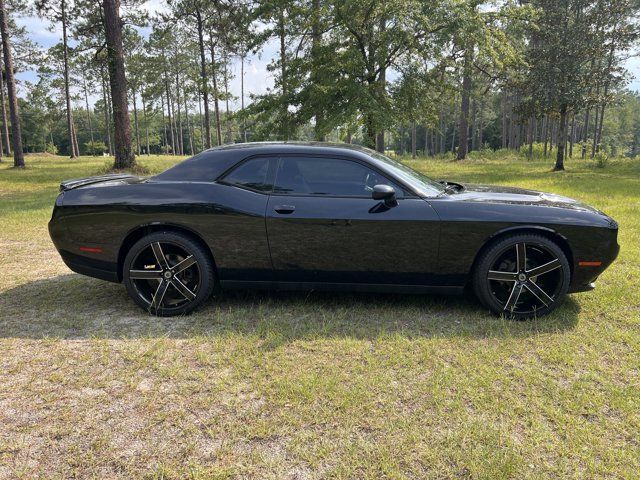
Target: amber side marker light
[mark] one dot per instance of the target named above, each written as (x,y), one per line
(91,249)
(589,264)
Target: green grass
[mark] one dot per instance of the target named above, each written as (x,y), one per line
(275,385)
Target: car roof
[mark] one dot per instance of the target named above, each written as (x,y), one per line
(210,164)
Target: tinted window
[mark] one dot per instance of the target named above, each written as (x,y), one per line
(327,176)
(251,174)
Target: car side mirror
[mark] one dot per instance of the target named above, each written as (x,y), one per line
(386,193)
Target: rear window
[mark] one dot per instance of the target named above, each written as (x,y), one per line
(251,175)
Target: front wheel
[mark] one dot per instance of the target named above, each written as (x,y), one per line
(522,276)
(168,273)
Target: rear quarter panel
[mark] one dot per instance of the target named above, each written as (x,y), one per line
(229,220)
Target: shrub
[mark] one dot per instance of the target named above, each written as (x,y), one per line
(95,148)
(602,159)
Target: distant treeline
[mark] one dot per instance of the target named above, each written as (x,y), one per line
(413,76)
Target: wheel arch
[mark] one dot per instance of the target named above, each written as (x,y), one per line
(143,230)
(549,233)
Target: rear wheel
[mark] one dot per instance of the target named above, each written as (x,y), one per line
(168,273)
(522,276)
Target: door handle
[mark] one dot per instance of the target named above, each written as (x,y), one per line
(284,209)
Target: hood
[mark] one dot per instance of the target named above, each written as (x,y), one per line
(520,196)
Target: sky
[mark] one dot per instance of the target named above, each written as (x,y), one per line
(257,78)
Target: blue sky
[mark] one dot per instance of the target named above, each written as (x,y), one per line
(257,78)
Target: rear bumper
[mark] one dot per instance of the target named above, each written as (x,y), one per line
(91,267)
(81,264)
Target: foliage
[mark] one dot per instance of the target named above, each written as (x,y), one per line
(95,148)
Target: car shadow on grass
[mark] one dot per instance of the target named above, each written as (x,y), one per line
(76,307)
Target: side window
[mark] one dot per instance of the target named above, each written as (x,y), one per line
(252,174)
(327,176)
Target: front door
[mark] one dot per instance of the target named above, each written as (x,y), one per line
(324,227)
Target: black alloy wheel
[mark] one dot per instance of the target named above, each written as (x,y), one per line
(168,273)
(522,276)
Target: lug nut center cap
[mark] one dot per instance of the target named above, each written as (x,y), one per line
(167,274)
(522,277)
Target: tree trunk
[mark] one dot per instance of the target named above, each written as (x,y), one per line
(204,83)
(283,75)
(453,137)
(464,107)
(473,129)
(86,101)
(186,116)
(401,139)
(244,122)
(5,120)
(201,123)
(107,113)
(481,125)
(370,132)
(2,143)
(585,133)
(14,112)
(168,96)
(530,136)
(74,136)
(427,147)
(382,82)
(504,119)
(164,125)
(545,133)
(67,96)
(228,134)
(316,38)
(598,134)
(562,140)
(413,140)
(146,122)
(443,133)
(216,102)
(573,134)
(594,140)
(135,121)
(122,128)
(180,135)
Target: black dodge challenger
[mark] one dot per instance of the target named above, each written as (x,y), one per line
(325,216)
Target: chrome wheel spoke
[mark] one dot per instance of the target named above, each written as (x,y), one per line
(158,297)
(159,254)
(184,264)
(539,293)
(502,276)
(182,288)
(546,268)
(145,274)
(521,255)
(514,296)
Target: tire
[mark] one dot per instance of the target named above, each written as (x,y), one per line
(522,286)
(168,273)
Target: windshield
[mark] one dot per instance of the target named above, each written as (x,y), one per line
(421,183)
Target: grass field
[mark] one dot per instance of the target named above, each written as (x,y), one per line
(305,386)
